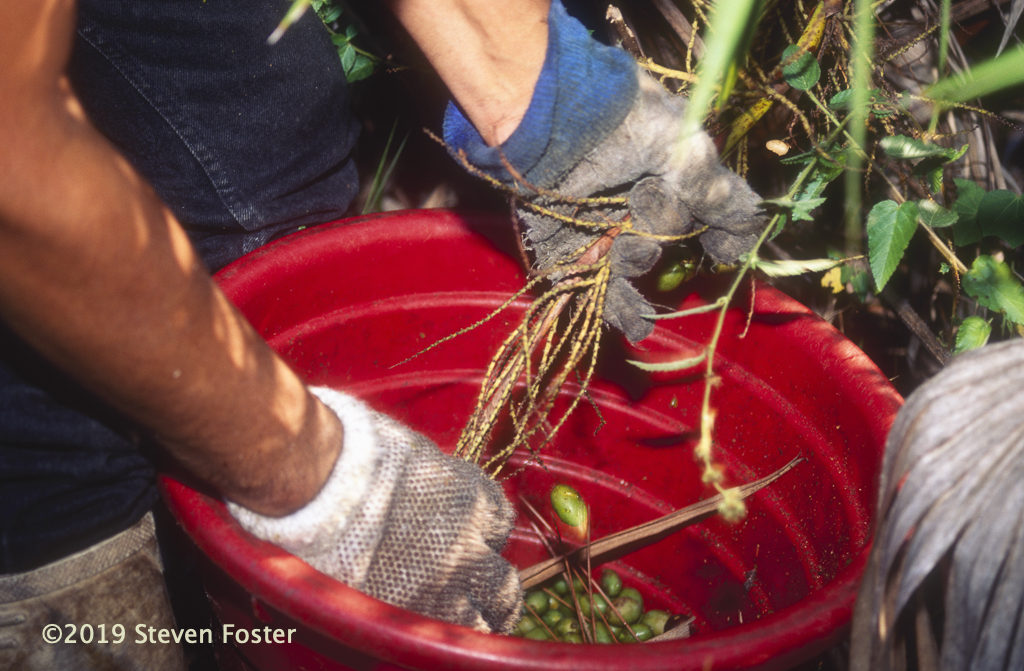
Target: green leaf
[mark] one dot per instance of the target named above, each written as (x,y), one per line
(800,209)
(859,281)
(348,56)
(327,12)
(361,69)
(890,227)
(995,287)
(934,215)
(967,230)
(1001,213)
(998,213)
(843,101)
(972,334)
(795,267)
(801,70)
(909,148)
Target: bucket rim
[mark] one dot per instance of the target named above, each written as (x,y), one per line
(324,605)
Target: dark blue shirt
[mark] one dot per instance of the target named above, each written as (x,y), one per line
(244,142)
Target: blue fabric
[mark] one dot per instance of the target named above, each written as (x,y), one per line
(584,91)
(244,142)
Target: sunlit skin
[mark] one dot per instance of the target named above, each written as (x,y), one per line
(489,54)
(96,273)
(100,278)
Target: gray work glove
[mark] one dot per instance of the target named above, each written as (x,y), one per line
(401,521)
(674,186)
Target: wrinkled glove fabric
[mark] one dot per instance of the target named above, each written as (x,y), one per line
(401,521)
(598,125)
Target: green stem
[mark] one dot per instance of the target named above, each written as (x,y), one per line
(864,36)
(711,348)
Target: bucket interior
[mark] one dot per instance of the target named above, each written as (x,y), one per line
(352,305)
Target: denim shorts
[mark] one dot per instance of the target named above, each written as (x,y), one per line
(245,142)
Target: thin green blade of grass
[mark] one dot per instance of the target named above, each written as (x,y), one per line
(725,37)
(294,13)
(996,74)
(385,167)
(943,35)
(862,67)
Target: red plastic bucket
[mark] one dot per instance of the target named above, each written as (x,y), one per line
(346,302)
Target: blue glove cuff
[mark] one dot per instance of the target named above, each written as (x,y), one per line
(584,91)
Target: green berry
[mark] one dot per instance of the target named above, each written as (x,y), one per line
(628,608)
(596,603)
(551,617)
(569,506)
(642,631)
(622,635)
(537,600)
(656,620)
(525,625)
(611,583)
(538,635)
(602,634)
(566,626)
(631,593)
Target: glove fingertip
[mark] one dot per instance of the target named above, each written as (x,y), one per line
(503,617)
(654,208)
(625,310)
(726,247)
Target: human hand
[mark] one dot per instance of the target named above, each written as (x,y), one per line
(401,521)
(599,126)
(673,186)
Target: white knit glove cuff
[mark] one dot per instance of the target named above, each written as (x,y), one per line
(345,489)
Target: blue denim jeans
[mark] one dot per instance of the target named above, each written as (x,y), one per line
(244,141)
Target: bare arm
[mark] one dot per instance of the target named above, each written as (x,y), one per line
(488,53)
(98,276)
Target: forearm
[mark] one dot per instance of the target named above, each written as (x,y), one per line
(99,277)
(488,54)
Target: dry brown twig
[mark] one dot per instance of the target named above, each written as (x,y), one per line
(619,543)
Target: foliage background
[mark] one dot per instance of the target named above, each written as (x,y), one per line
(910,326)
